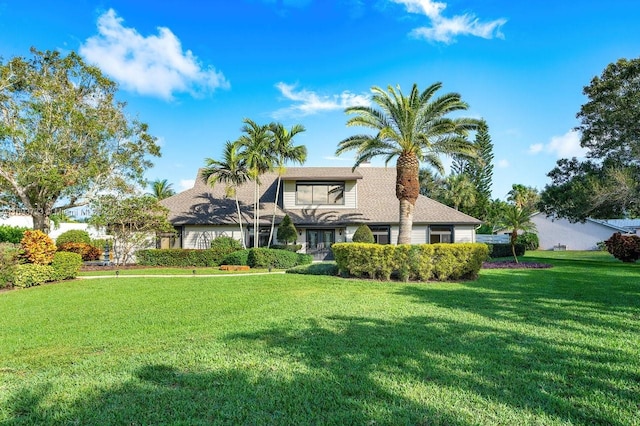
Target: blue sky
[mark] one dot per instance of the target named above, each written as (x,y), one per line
(194,69)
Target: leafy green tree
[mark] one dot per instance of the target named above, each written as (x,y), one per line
(431,184)
(459,191)
(259,156)
(232,171)
(363,234)
(287,232)
(415,128)
(523,196)
(608,128)
(133,222)
(493,218)
(516,218)
(285,151)
(63,135)
(161,189)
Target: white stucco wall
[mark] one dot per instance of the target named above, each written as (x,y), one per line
(575,236)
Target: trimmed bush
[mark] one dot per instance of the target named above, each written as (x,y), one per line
(228,244)
(11,234)
(66,265)
(37,247)
(279,259)
(32,274)
(287,231)
(315,269)
(239,257)
(504,250)
(290,247)
(180,258)
(363,235)
(529,240)
(9,259)
(418,262)
(624,247)
(86,251)
(73,236)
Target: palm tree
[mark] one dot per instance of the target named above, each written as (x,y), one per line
(231,171)
(258,155)
(415,129)
(516,219)
(161,189)
(460,191)
(523,196)
(284,151)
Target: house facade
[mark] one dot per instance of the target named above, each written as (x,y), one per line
(326,204)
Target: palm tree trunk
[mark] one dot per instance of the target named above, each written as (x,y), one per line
(255,213)
(407,191)
(244,245)
(514,238)
(275,206)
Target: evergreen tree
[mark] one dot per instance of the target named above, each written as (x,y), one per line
(287,231)
(363,235)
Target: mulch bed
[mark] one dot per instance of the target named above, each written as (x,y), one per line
(510,264)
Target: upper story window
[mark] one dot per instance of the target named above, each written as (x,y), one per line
(320,193)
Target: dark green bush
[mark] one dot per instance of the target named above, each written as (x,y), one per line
(239,257)
(279,259)
(504,250)
(287,231)
(624,247)
(66,265)
(73,236)
(9,259)
(289,247)
(363,235)
(32,274)
(529,240)
(419,262)
(315,269)
(11,234)
(180,257)
(229,244)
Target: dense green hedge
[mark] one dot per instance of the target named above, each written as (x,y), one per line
(410,262)
(504,250)
(274,258)
(66,265)
(181,257)
(239,257)
(11,234)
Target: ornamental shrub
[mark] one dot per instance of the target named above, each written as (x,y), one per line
(261,257)
(363,235)
(73,236)
(287,231)
(289,247)
(66,265)
(180,258)
(529,240)
(226,243)
(37,247)
(624,247)
(86,251)
(504,250)
(11,234)
(240,257)
(32,274)
(324,268)
(9,259)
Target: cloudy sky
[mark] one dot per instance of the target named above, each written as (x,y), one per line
(194,69)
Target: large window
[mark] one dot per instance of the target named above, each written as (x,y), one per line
(440,234)
(320,193)
(381,234)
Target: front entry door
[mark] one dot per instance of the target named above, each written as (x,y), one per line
(319,243)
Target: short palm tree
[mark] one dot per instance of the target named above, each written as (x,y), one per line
(516,218)
(285,151)
(161,189)
(258,154)
(231,171)
(460,191)
(415,129)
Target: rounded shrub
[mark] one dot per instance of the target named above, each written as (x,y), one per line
(37,247)
(87,251)
(624,247)
(240,257)
(529,240)
(11,234)
(66,265)
(363,235)
(73,236)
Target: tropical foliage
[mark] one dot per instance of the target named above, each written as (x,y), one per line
(516,218)
(415,128)
(161,189)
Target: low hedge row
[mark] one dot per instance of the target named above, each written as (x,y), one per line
(65,265)
(181,257)
(275,258)
(504,250)
(410,262)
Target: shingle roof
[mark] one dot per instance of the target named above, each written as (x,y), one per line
(377,202)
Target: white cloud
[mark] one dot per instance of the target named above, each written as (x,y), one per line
(445,29)
(503,164)
(307,102)
(185,184)
(155,65)
(564,146)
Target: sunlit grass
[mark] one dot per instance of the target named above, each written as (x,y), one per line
(552,346)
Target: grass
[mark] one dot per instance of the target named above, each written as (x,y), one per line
(557,346)
(112,271)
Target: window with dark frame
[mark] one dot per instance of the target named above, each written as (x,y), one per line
(440,234)
(327,193)
(381,234)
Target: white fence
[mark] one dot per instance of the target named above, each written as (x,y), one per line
(492,239)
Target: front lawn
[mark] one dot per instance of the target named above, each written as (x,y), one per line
(528,346)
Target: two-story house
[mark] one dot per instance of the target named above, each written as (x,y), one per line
(326,204)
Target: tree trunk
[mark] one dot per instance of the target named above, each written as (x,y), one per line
(275,206)
(40,222)
(514,238)
(407,191)
(244,245)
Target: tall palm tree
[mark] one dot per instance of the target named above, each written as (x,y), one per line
(231,171)
(516,219)
(258,154)
(285,151)
(161,189)
(415,129)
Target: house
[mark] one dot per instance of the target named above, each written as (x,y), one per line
(555,233)
(326,204)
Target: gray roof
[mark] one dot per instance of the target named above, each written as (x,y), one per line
(377,202)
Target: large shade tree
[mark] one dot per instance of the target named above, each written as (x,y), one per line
(285,151)
(415,128)
(64,136)
(231,171)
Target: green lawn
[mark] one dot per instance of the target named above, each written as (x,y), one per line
(544,347)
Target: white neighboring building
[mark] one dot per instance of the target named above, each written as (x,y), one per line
(554,232)
(26,221)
